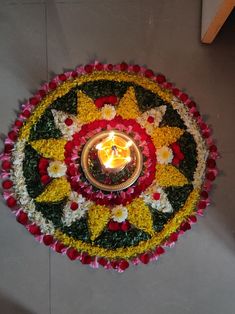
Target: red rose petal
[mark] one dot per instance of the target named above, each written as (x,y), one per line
(88,68)
(175,91)
(180,156)
(45,179)
(156,196)
(148,73)
(7,184)
(18,123)
(175,147)
(144,258)
(204,194)
(6,165)
(26,113)
(59,247)
(173,237)
(203,126)
(62,77)
(206,134)
(175,161)
(12,136)
(48,239)
(86,259)
(123,66)
(22,218)
(102,261)
(150,119)
(123,264)
(43,163)
(202,205)
(99,102)
(185,226)
(161,78)
(34,229)
(52,85)
(160,250)
(110,67)
(72,254)
(196,114)
(11,202)
(210,176)
(183,97)
(74,74)
(213,148)
(192,104)
(211,163)
(33,101)
(125,226)
(114,264)
(69,146)
(8,148)
(113,225)
(136,68)
(68,121)
(42,93)
(112,99)
(193,218)
(99,66)
(74,206)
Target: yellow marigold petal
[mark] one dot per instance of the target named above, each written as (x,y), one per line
(56,191)
(86,108)
(98,217)
(51,148)
(166,135)
(128,107)
(128,252)
(168,175)
(140,216)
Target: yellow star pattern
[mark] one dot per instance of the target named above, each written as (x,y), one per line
(139,214)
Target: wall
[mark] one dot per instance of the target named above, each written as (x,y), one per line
(40,38)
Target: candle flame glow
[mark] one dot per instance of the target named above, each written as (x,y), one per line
(114,151)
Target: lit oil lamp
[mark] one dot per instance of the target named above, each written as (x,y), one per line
(115,151)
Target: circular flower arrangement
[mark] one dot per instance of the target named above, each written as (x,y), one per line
(108,164)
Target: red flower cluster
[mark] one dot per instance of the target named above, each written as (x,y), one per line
(101,101)
(42,169)
(122,226)
(178,155)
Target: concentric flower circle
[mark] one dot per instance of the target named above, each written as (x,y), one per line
(46,186)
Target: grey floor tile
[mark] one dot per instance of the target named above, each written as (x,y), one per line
(24,263)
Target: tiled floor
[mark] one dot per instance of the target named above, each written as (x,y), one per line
(39,38)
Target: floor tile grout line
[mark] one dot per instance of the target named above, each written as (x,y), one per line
(47,78)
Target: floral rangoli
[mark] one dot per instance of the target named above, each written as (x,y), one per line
(108,164)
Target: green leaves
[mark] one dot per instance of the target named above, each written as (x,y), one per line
(117,239)
(31,174)
(45,128)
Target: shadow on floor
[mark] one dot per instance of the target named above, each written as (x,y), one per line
(10,306)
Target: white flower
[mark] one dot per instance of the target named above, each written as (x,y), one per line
(108,112)
(67,129)
(56,169)
(75,197)
(164,155)
(71,215)
(161,205)
(157,115)
(119,213)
